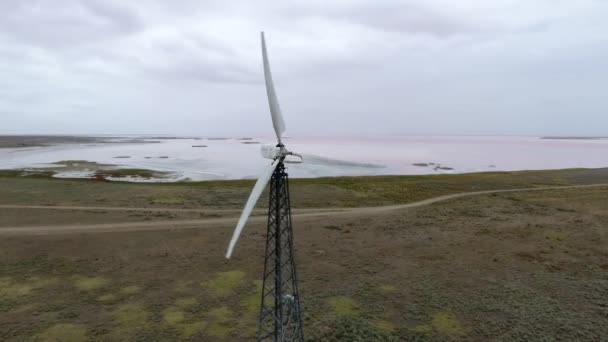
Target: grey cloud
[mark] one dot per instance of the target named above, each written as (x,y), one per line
(66,23)
(204,72)
(408,17)
(195,56)
(352,66)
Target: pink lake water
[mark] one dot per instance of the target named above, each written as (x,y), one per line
(231,159)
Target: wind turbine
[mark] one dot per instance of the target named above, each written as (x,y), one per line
(280,311)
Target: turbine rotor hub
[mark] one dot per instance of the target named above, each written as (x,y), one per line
(278,151)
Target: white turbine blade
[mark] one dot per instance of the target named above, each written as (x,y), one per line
(275,110)
(318,160)
(253,198)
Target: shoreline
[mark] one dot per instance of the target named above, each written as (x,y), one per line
(133,176)
(193,159)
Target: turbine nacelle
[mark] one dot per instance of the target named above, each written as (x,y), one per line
(272,152)
(279,151)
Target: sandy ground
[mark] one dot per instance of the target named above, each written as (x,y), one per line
(493,266)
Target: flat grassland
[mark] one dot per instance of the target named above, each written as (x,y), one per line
(504,266)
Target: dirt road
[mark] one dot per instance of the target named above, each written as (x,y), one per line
(227,221)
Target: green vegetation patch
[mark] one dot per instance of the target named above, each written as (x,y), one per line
(384,325)
(221,322)
(224,283)
(167,200)
(131,314)
(107,298)
(185,302)
(251,303)
(485,231)
(190,329)
(183,286)
(179,320)
(344,306)
(259,284)
(173,315)
(40,282)
(120,173)
(130,290)
(443,323)
(554,235)
(90,283)
(10,288)
(447,324)
(387,288)
(130,318)
(423,329)
(24,308)
(27,173)
(63,332)
(84,164)
(352,329)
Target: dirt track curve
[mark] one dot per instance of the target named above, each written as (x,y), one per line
(296,213)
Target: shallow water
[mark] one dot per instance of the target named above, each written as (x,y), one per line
(231,159)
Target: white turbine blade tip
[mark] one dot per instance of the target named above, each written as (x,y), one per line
(275,110)
(256,192)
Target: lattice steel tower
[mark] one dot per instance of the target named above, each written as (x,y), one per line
(280,311)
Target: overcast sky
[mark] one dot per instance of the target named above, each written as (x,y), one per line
(340,67)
